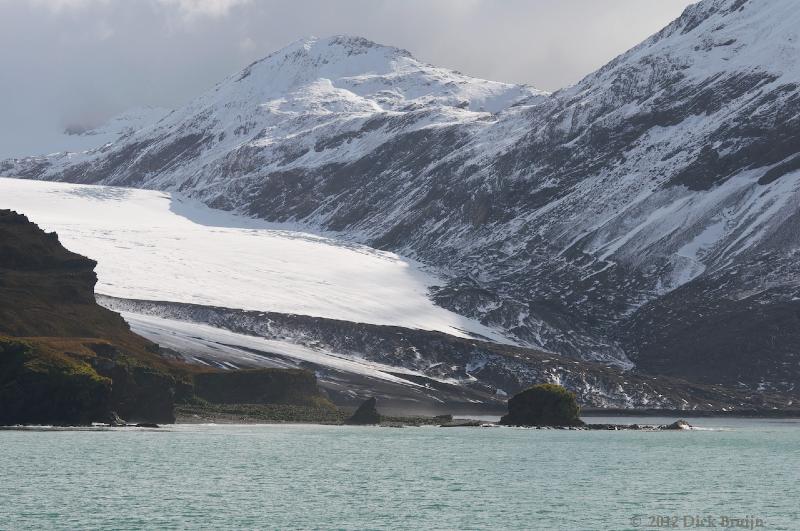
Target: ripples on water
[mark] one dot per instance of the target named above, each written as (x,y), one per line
(304,477)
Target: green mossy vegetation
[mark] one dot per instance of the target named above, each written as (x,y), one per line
(201,411)
(39,386)
(543,405)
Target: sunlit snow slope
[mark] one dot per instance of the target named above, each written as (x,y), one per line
(160,246)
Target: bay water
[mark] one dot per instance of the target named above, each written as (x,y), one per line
(737,472)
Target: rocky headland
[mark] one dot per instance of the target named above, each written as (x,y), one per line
(65,360)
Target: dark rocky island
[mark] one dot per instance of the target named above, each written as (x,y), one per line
(549,405)
(543,405)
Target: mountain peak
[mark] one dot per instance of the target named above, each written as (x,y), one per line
(349,44)
(345,71)
(355,55)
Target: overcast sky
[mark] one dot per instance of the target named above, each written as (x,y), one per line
(77,62)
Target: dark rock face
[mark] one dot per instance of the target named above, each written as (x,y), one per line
(36,391)
(694,330)
(367,413)
(77,361)
(258,386)
(543,405)
(143,394)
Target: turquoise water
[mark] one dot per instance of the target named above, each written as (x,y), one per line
(324,477)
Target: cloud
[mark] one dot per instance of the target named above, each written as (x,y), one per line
(60,5)
(79,62)
(210,8)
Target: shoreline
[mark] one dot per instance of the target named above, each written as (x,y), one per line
(269,416)
(678,425)
(737,413)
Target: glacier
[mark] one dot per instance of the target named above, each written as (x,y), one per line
(164,247)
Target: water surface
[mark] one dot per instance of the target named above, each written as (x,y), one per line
(311,477)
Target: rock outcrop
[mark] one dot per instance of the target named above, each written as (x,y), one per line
(367,413)
(36,388)
(63,358)
(543,405)
(259,386)
(678,425)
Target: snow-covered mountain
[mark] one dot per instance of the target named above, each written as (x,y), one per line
(303,106)
(648,214)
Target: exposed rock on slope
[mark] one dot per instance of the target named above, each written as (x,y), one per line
(591,222)
(40,386)
(431,366)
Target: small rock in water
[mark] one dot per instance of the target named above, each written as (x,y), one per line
(115,421)
(147,425)
(466,423)
(678,425)
(367,413)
